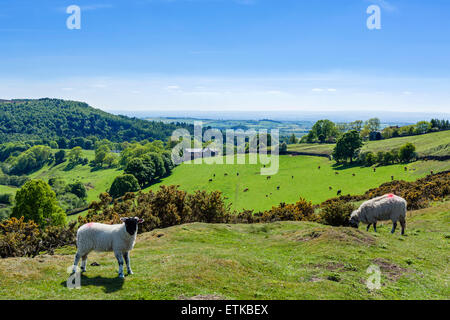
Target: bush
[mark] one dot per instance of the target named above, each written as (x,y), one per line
(123,184)
(407,152)
(336,213)
(19,238)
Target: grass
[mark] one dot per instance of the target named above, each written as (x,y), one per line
(431,144)
(97,181)
(288,260)
(309,182)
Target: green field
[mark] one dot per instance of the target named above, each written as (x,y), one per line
(288,260)
(432,144)
(97,181)
(308,182)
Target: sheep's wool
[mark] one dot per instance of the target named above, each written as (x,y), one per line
(103,237)
(386,207)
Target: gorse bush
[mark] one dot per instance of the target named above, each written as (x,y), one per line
(19,238)
(336,213)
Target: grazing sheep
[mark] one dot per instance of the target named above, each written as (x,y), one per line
(339,192)
(336,173)
(330,188)
(246,189)
(406,168)
(374,169)
(269,177)
(214,175)
(292,177)
(278,188)
(210,180)
(353,174)
(225,174)
(318,167)
(119,238)
(387,207)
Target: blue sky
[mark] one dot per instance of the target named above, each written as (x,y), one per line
(233,55)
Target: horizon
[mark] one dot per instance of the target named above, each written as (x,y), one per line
(290,56)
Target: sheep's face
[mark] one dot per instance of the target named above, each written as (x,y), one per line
(131,224)
(354,221)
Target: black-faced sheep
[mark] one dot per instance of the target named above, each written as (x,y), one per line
(118,238)
(387,207)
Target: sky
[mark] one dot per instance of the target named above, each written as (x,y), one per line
(229,55)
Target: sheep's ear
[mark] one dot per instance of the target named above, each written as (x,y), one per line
(123,219)
(140,220)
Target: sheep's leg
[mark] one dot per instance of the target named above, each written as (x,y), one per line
(375,227)
(75,262)
(120,261)
(403,224)
(126,256)
(368,226)
(394,227)
(84,262)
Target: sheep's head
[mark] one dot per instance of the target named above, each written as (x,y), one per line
(354,219)
(131,224)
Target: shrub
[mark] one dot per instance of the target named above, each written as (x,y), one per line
(407,152)
(123,184)
(336,213)
(19,238)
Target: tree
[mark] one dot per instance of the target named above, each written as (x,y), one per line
(37,201)
(422,127)
(356,125)
(373,124)
(283,148)
(292,139)
(157,160)
(407,152)
(324,130)
(123,184)
(75,154)
(59,156)
(348,146)
(78,189)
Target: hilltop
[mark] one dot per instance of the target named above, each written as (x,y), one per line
(281,260)
(29,119)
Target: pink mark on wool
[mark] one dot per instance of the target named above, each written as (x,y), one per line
(390,195)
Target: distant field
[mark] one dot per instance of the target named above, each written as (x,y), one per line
(308,182)
(432,144)
(299,128)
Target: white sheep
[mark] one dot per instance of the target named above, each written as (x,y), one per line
(119,238)
(386,207)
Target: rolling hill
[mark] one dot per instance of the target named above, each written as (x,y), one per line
(54,118)
(430,144)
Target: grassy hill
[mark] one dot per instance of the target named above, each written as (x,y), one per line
(431,144)
(308,182)
(289,260)
(29,119)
